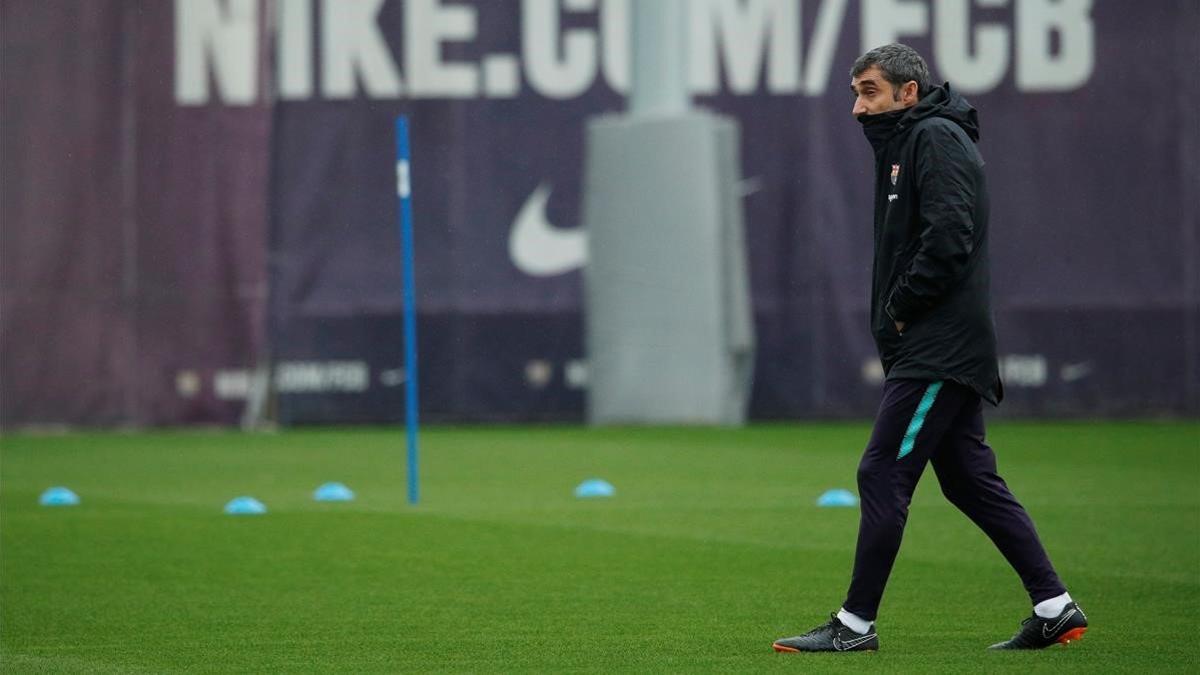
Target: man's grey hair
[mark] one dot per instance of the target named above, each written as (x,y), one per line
(900,64)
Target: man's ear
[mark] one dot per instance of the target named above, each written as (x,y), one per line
(908,94)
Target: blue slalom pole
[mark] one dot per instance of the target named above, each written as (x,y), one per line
(404,192)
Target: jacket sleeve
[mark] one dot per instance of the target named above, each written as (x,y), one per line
(947,174)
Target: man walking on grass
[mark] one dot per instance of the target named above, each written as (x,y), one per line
(931,319)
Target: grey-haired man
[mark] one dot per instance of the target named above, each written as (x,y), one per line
(932,323)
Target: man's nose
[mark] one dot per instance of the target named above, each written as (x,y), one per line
(859,108)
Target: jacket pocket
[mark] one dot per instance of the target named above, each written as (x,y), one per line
(900,262)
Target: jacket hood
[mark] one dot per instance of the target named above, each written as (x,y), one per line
(944,102)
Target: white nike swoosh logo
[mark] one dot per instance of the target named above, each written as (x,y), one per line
(750,186)
(539,249)
(843,645)
(1052,631)
(1076,371)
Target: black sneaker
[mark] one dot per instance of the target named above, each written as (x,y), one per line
(1037,632)
(831,637)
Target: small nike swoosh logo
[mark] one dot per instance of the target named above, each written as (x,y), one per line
(1049,633)
(1072,372)
(539,249)
(749,186)
(391,378)
(842,645)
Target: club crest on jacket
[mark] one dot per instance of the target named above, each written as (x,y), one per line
(895,173)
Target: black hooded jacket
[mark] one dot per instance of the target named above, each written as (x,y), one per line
(931,269)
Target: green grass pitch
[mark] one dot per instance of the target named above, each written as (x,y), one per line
(712,547)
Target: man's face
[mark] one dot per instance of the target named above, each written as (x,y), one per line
(874,94)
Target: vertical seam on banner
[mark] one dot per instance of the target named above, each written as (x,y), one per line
(918,419)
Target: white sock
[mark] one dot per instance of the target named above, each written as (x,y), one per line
(1048,609)
(851,621)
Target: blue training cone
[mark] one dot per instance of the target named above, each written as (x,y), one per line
(58,496)
(594,487)
(837,497)
(333,492)
(245,506)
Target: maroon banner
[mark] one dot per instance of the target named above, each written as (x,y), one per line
(133,258)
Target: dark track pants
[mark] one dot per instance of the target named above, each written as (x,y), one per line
(942,422)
